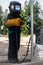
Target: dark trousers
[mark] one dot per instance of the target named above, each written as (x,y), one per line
(14,44)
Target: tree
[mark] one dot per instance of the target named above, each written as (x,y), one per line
(1,12)
(26,14)
(3,18)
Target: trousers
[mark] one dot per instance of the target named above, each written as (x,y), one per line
(14,44)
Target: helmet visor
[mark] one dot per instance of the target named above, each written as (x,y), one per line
(17,7)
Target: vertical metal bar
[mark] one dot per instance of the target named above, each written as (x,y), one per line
(31,12)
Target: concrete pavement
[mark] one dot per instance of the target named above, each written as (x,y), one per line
(4,51)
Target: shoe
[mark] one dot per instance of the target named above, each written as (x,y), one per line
(12,61)
(17,60)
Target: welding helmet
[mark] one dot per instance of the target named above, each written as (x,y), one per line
(15,7)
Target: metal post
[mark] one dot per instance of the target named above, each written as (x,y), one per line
(31,12)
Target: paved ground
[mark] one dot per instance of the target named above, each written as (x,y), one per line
(4,48)
(21,53)
(4,51)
